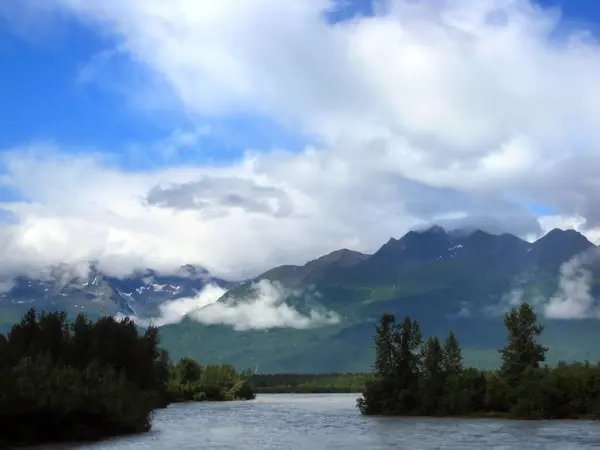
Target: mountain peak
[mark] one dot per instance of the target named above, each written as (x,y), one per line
(556,236)
(341,253)
(558,246)
(193,272)
(341,257)
(417,245)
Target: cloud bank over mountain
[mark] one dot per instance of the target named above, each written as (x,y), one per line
(263,308)
(460,112)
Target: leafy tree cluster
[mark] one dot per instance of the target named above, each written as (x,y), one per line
(308,383)
(79,380)
(189,381)
(416,377)
(85,380)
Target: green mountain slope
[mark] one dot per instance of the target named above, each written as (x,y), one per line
(447,281)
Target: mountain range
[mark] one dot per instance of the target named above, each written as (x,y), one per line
(461,281)
(319,317)
(96,294)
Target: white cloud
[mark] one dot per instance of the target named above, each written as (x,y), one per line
(574,299)
(175,310)
(457,112)
(263,308)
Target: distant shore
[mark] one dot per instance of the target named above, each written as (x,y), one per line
(332,383)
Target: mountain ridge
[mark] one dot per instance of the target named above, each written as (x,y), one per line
(444,280)
(435,243)
(96,294)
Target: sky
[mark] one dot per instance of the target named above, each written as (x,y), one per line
(243,135)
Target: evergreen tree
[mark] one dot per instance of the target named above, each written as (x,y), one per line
(433,377)
(522,351)
(384,346)
(433,357)
(452,358)
(407,339)
(379,393)
(407,342)
(455,400)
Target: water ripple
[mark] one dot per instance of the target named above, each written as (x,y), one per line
(331,421)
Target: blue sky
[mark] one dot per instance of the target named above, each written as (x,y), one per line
(44,99)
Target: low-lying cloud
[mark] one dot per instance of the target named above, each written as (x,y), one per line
(175,310)
(263,308)
(574,299)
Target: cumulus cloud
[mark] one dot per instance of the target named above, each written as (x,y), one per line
(460,111)
(263,308)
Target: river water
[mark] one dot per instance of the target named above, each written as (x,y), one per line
(331,421)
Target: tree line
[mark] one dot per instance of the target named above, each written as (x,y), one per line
(84,380)
(308,383)
(416,377)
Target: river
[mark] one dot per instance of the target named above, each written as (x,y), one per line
(331,421)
